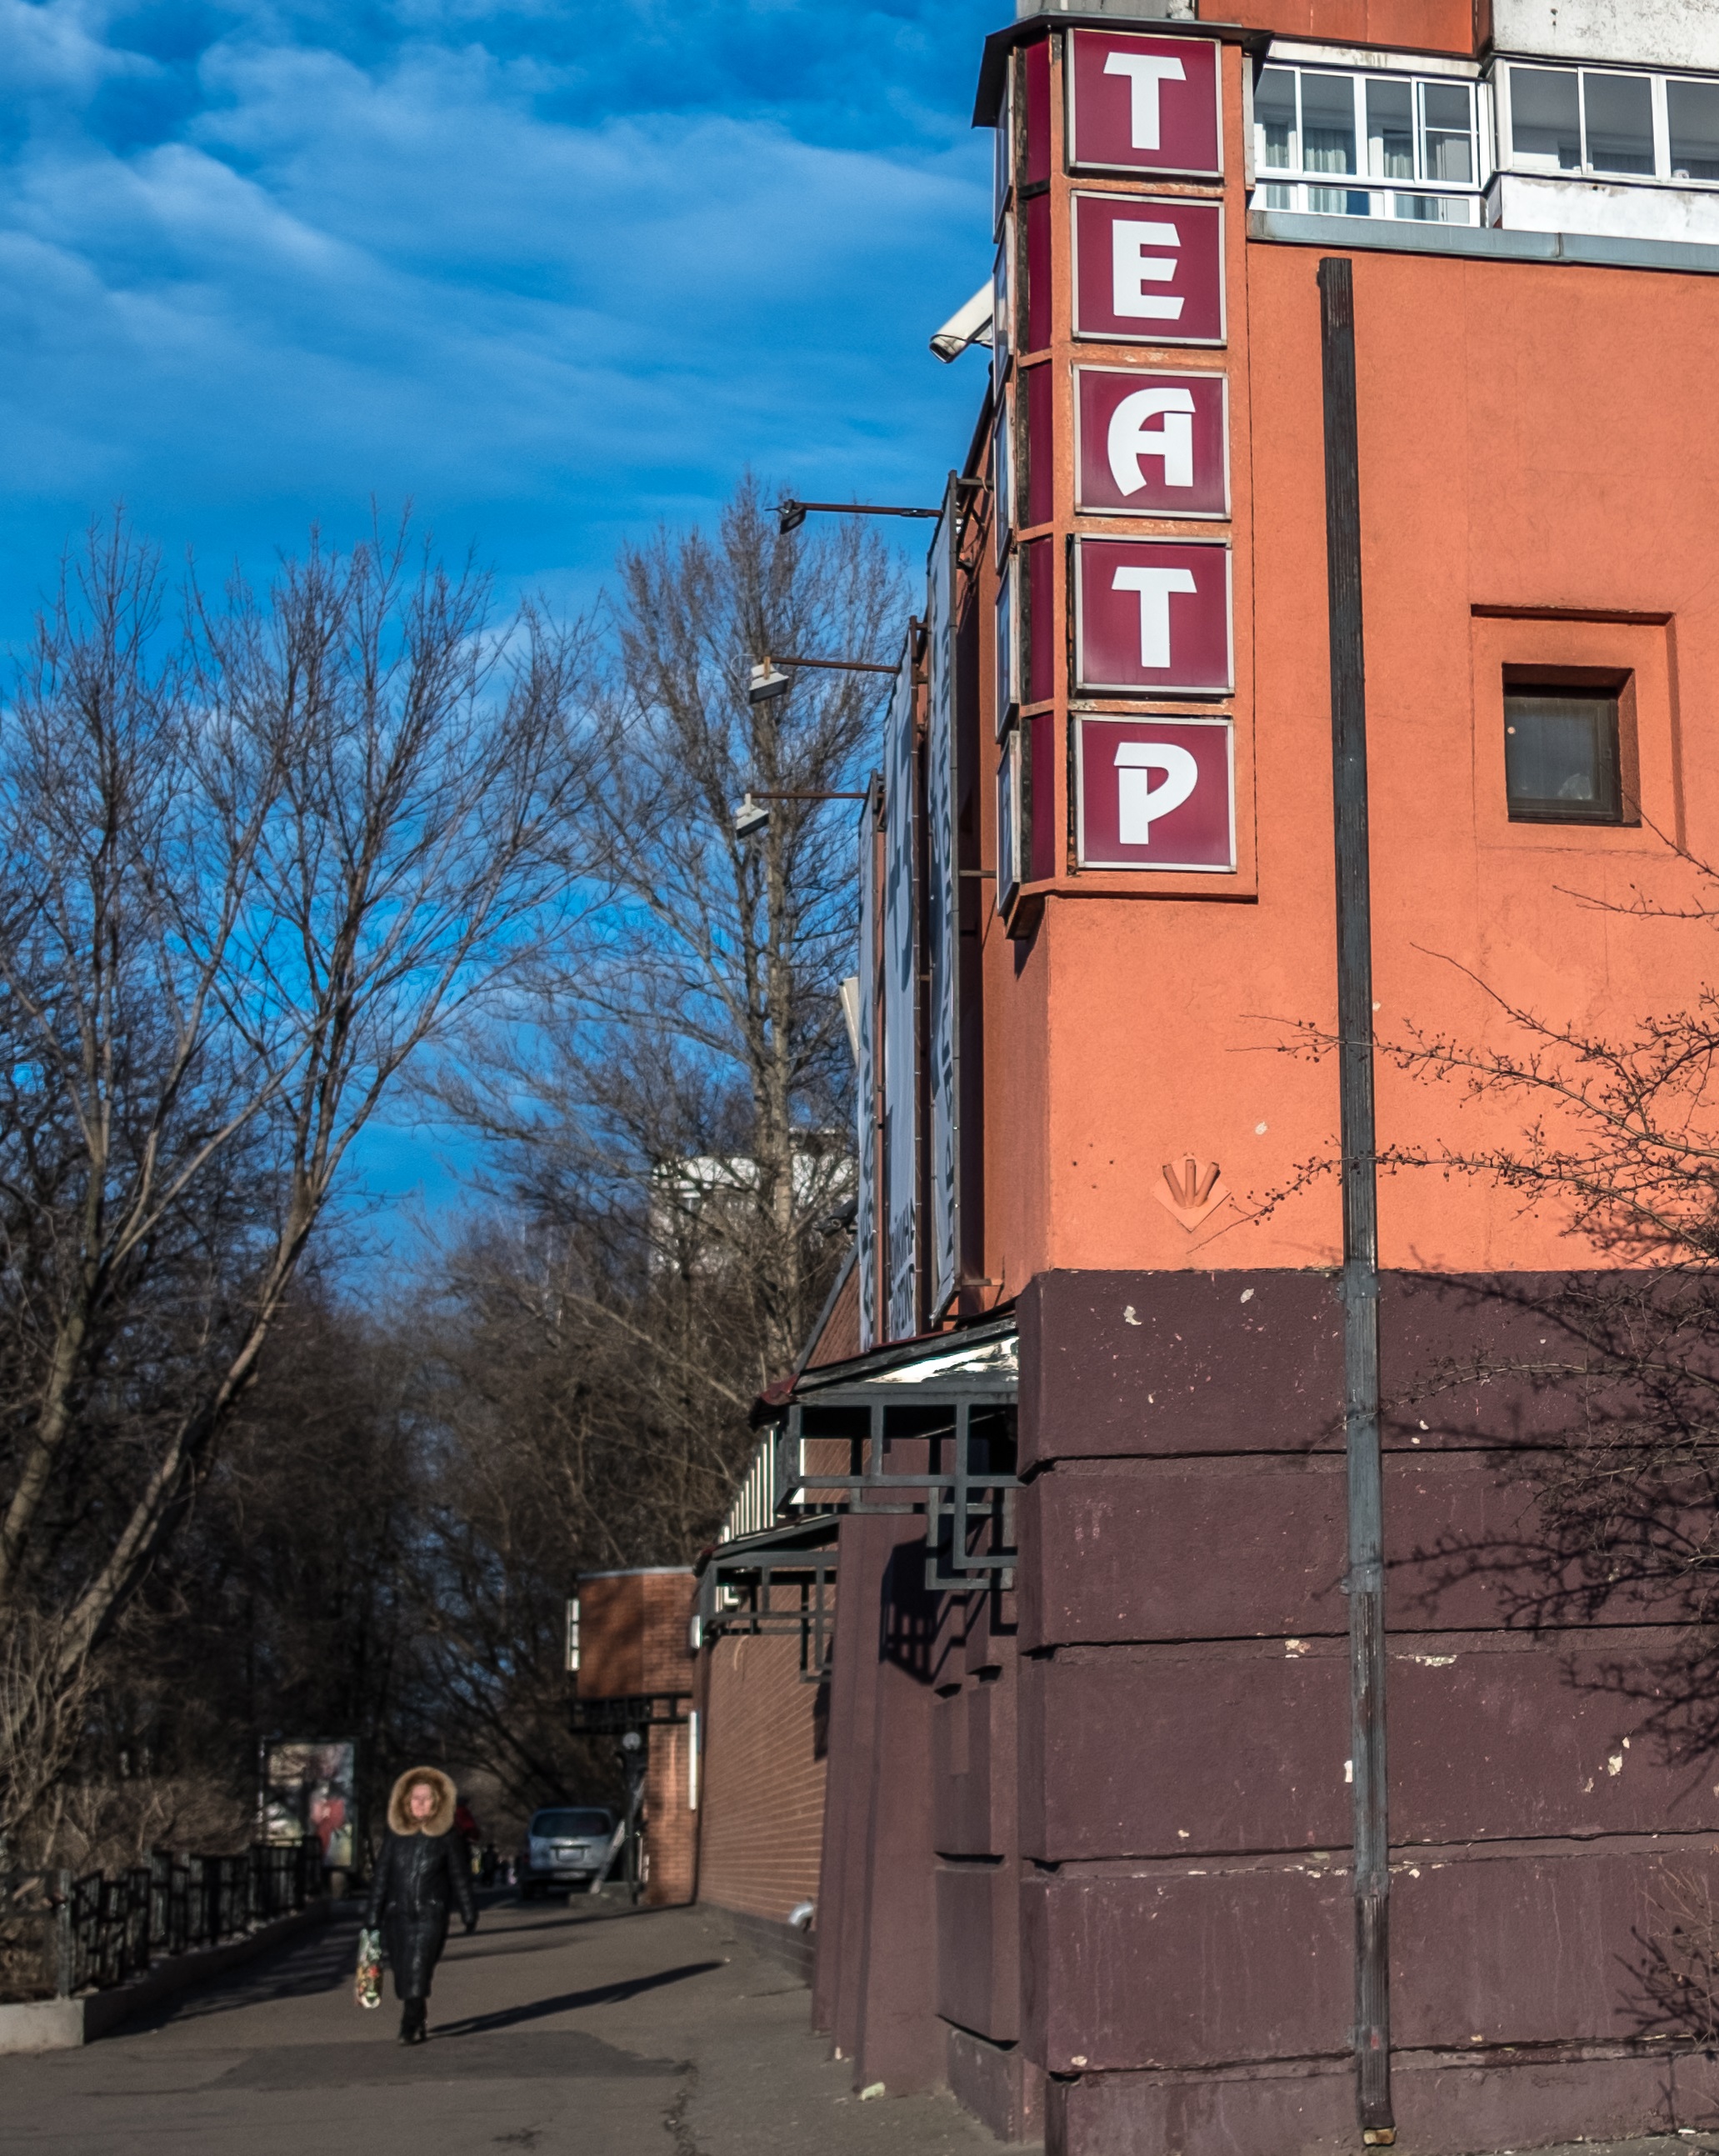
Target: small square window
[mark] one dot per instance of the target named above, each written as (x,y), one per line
(1562,760)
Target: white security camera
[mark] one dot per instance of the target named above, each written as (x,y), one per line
(968,324)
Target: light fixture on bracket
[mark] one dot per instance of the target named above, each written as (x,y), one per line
(767,681)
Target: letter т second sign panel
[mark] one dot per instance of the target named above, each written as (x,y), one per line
(1152,615)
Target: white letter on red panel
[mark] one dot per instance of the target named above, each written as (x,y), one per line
(1152,615)
(1157,791)
(1151,445)
(1144,105)
(1145,72)
(1129,437)
(1148,270)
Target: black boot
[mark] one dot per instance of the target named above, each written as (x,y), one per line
(412,2022)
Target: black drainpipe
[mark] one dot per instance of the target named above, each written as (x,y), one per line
(1365,1584)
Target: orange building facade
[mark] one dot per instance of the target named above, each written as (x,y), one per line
(1348,358)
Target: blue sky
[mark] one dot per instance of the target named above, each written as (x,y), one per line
(555,271)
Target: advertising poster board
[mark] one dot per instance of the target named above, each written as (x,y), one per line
(309,1788)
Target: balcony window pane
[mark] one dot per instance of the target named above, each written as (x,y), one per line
(1620,122)
(1275,120)
(1390,130)
(1545,132)
(1449,141)
(1694,108)
(1328,122)
(1561,757)
(1434,209)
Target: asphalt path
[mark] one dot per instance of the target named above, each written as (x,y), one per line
(586,2026)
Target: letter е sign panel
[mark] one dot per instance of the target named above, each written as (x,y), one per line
(1151,445)
(1148,268)
(1144,105)
(1152,615)
(1156,793)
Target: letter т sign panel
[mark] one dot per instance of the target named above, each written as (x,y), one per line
(1144,105)
(1152,615)
(1148,268)
(1155,793)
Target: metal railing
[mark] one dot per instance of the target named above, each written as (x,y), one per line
(61,1933)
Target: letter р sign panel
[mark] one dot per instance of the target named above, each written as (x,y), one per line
(1152,615)
(1151,445)
(1156,793)
(1148,268)
(1144,105)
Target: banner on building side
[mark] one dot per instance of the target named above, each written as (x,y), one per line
(943,903)
(901,1042)
(865,1217)
(309,1788)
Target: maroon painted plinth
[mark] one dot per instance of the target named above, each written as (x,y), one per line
(1124,1549)
(1183,1965)
(997,2084)
(1182,1729)
(978,1948)
(875,1974)
(1446,2104)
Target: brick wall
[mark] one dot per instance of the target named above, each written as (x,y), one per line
(670,1824)
(633,1632)
(762,1794)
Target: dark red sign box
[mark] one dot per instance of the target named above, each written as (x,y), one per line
(1148,268)
(1151,444)
(1155,793)
(1152,616)
(1144,105)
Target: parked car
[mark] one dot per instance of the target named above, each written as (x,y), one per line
(565,1847)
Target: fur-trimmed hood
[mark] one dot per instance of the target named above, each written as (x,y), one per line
(401,1821)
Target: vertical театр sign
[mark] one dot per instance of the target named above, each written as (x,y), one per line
(901,1207)
(865,1215)
(943,903)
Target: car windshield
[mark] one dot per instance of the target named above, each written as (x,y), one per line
(569,1826)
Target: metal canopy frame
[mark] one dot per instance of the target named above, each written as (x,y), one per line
(969,1506)
(775,1589)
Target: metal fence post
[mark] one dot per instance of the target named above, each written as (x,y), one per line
(63,1935)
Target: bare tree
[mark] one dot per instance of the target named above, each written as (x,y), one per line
(686,1068)
(250,868)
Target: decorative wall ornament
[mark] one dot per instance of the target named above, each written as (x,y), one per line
(1191,1190)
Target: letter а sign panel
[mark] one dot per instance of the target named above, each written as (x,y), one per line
(1151,445)
(1156,793)
(1148,268)
(1152,615)
(1144,105)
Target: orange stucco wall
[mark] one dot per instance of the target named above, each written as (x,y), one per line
(1424,25)
(1536,440)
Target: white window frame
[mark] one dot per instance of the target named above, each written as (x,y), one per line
(1659,86)
(1302,186)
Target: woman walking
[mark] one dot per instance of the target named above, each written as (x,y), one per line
(422,1865)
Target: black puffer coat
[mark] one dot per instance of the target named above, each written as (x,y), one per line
(423,1868)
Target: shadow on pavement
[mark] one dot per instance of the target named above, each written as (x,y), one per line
(602,1994)
(535,2055)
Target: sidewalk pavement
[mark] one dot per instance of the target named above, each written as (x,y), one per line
(593,2029)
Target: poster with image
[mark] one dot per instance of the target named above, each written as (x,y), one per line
(309,1789)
